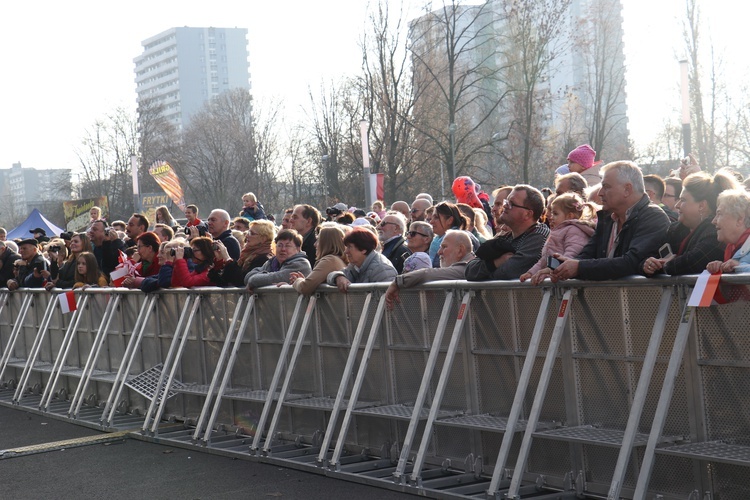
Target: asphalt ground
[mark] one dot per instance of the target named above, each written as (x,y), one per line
(93,464)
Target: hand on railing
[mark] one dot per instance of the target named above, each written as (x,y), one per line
(568,269)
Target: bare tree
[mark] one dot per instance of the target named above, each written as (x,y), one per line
(534,39)
(457,85)
(158,139)
(104,159)
(334,125)
(218,160)
(388,100)
(599,41)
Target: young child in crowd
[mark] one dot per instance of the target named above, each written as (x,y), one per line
(572,222)
(87,272)
(251,207)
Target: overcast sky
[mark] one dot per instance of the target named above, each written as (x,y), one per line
(66,64)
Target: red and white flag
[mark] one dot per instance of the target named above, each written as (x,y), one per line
(704,290)
(67,302)
(124,269)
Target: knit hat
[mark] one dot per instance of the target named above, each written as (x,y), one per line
(418,260)
(583,155)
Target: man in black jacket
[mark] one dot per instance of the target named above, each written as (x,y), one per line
(107,246)
(629,229)
(391,233)
(305,220)
(29,275)
(7,258)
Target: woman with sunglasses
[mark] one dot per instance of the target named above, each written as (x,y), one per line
(418,237)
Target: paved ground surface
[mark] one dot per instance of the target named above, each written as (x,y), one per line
(133,469)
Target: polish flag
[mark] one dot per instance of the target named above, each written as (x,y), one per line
(124,269)
(704,290)
(67,302)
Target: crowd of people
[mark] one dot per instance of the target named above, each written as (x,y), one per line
(599,222)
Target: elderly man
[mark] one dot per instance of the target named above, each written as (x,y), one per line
(30,274)
(571,183)
(418,208)
(629,229)
(289,258)
(107,246)
(508,256)
(455,253)
(305,220)
(7,258)
(137,225)
(401,206)
(419,237)
(391,234)
(218,228)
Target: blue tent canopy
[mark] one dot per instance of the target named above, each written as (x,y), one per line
(33,221)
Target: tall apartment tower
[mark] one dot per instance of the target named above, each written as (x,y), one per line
(182,68)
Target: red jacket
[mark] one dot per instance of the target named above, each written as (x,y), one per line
(182,277)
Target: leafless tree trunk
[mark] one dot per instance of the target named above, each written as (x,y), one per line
(457,85)
(535,38)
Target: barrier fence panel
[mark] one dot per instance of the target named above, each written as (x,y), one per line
(639,400)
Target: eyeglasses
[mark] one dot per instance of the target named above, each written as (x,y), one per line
(509,205)
(414,233)
(285,245)
(414,210)
(386,223)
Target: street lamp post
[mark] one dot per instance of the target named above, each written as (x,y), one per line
(364,125)
(685,84)
(452,136)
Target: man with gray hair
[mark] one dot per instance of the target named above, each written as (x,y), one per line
(419,237)
(391,234)
(218,227)
(629,229)
(571,183)
(455,252)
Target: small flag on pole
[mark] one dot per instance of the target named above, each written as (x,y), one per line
(67,302)
(704,290)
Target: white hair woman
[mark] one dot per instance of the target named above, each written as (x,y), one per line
(732,221)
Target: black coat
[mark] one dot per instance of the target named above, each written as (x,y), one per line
(644,231)
(396,251)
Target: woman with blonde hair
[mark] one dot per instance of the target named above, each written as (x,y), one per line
(329,257)
(258,249)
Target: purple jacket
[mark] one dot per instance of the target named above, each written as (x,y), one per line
(567,239)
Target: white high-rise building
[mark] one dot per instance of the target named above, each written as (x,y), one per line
(182,68)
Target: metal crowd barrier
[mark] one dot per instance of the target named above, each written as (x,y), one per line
(494,390)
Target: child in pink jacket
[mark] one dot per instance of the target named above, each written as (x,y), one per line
(572,222)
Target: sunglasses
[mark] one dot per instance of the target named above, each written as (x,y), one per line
(414,233)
